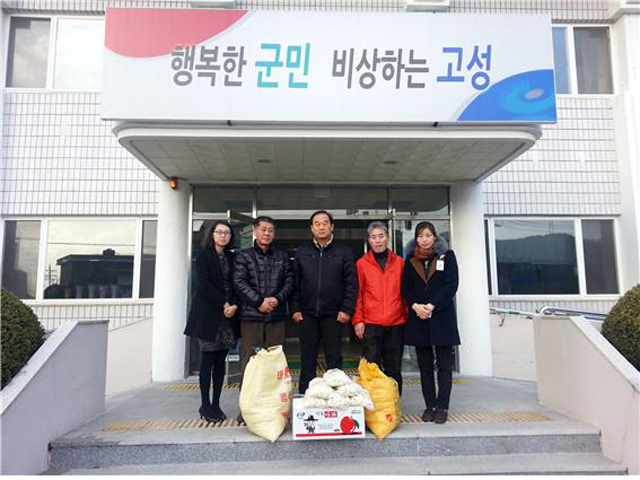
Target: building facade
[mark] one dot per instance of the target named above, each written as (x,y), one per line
(561,221)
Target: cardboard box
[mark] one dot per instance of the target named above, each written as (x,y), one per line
(326,423)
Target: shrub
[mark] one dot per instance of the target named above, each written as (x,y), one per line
(21,333)
(622,326)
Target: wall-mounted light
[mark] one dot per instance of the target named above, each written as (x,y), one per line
(173,181)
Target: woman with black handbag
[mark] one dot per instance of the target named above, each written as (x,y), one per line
(211,318)
(429,283)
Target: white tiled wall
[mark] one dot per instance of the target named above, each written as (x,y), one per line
(52,316)
(59,158)
(582,10)
(572,169)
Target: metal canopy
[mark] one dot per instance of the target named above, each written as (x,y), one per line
(385,154)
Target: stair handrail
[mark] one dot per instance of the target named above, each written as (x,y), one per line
(549,310)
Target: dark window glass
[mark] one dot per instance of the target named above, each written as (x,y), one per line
(593,60)
(486,252)
(561,60)
(420,201)
(148,258)
(277,201)
(28,52)
(20,262)
(599,256)
(89,259)
(220,200)
(536,257)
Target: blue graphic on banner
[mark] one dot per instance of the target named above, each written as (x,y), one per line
(526,97)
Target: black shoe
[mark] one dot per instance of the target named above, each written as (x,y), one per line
(205,414)
(240,419)
(440,416)
(427,416)
(217,415)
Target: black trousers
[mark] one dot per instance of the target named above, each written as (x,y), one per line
(312,331)
(384,346)
(444,358)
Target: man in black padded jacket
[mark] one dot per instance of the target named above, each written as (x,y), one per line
(325,297)
(263,281)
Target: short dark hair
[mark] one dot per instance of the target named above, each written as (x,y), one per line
(318,212)
(207,240)
(422,226)
(265,219)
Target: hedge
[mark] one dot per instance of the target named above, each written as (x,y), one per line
(622,326)
(21,334)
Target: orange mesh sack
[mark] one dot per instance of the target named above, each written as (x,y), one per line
(265,393)
(383,390)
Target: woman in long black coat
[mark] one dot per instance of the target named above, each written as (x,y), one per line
(211,318)
(429,283)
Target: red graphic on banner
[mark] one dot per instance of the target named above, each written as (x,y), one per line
(150,32)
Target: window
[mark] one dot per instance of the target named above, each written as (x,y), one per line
(420,201)
(582,60)
(599,256)
(220,200)
(552,257)
(561,59)
(487,256)
(148,260)
(593,62)
(89,259)
(536,257)
(78,44)
(28,52)
(275,201)
(20,262)
(78,54)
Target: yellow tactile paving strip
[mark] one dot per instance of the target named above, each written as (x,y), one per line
(177,387)
(191,423)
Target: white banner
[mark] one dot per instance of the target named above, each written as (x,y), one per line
(291,66)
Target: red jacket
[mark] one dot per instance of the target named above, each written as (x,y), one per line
(379,292)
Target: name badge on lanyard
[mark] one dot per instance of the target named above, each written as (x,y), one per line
(440,265)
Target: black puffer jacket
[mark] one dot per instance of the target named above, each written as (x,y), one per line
(258,275)
(326,280)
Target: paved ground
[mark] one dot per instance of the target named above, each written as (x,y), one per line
(495,427)
(181,400)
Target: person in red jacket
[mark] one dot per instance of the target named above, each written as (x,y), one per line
(380,310)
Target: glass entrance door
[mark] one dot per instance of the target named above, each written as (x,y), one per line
(353,207)
(290,234)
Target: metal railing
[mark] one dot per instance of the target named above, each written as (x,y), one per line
(548,310)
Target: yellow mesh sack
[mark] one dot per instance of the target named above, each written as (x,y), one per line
(383,391)
(266,393)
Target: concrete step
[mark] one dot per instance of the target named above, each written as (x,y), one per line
(493,423)
(514,464)
(185,446)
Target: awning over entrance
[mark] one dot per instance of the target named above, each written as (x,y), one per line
(434,154)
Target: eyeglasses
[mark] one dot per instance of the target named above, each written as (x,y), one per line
(222,233)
